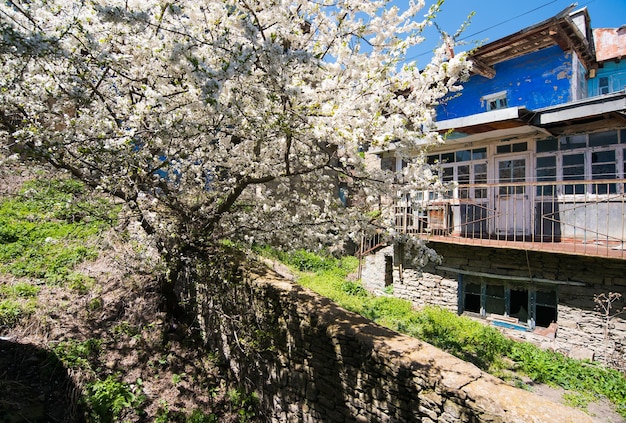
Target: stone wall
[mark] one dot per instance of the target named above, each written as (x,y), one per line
(581,328)
(312,361)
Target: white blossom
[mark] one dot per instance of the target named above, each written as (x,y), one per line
(237,119)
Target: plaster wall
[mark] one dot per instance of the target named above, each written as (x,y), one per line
(536,80)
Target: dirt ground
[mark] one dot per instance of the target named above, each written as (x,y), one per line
(169,370)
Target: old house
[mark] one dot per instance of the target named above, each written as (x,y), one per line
(532,235)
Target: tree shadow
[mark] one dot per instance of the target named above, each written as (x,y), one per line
(35,386)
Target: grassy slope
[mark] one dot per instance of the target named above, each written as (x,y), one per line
(78,294)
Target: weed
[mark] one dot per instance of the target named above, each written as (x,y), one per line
(95,304)
(12,310)
(108,398)
(43,229)
(74,354)
(198,416)
(354,288)
(125,328)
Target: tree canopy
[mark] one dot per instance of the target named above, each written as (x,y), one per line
(222,119)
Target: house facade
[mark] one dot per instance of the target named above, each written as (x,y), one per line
(532,232)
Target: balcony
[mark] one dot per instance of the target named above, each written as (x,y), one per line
(570,217)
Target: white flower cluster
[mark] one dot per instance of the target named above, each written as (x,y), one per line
(243,119)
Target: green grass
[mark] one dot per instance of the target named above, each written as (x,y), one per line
(463,337)
(44,230)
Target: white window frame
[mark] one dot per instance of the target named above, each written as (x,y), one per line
(497,97)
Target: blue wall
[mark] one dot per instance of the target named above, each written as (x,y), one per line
(536,80)
(615,71)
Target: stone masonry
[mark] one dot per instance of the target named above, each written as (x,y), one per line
(312,361)
(582,332)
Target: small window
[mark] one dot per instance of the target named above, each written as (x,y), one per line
(472,298)
(603,166)
(481,153)
(480,177)
(573,141)
(549,145)
(496,101)
(574,170)
(447,158)
(546,308)
(463,155)
(388,163)
(602,138)
(463,179)
(546,172)
(603,85)
(494,300)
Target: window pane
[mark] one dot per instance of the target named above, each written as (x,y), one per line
(447,158)
(574,169)
(480,177)
(602,138)
(501,149)
(603,167)
(472,298)
(520,146)
(388,163)
(464,155)
(463,179)
(432,159)
(546,172)
(494,301)
(479,153)
(544,146)
(573,141)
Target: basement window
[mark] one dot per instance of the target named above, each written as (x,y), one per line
(531,306)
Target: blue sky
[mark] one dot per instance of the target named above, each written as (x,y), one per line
(495,19)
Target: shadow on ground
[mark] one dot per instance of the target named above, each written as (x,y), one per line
(35,386)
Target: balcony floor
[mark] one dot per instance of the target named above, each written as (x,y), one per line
(563,246)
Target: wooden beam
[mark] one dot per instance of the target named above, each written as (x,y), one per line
(480,68)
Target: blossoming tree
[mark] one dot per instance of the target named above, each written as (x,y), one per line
(221,119)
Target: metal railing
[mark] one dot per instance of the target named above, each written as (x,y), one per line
(577,217)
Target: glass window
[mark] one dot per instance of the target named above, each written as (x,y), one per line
(603,167)
(546,172)
(502,149)
(472,298)
(494,299)
(388,163)
(463,179)
(573,141)
(546,304)
(496,101)
(432,159)
(545,146)
(603,85)
(447,158)
(480,177)
(479,153)
(447,175)
(520,146)
(574,170)
(512,171)
(602,138)
(463,155)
